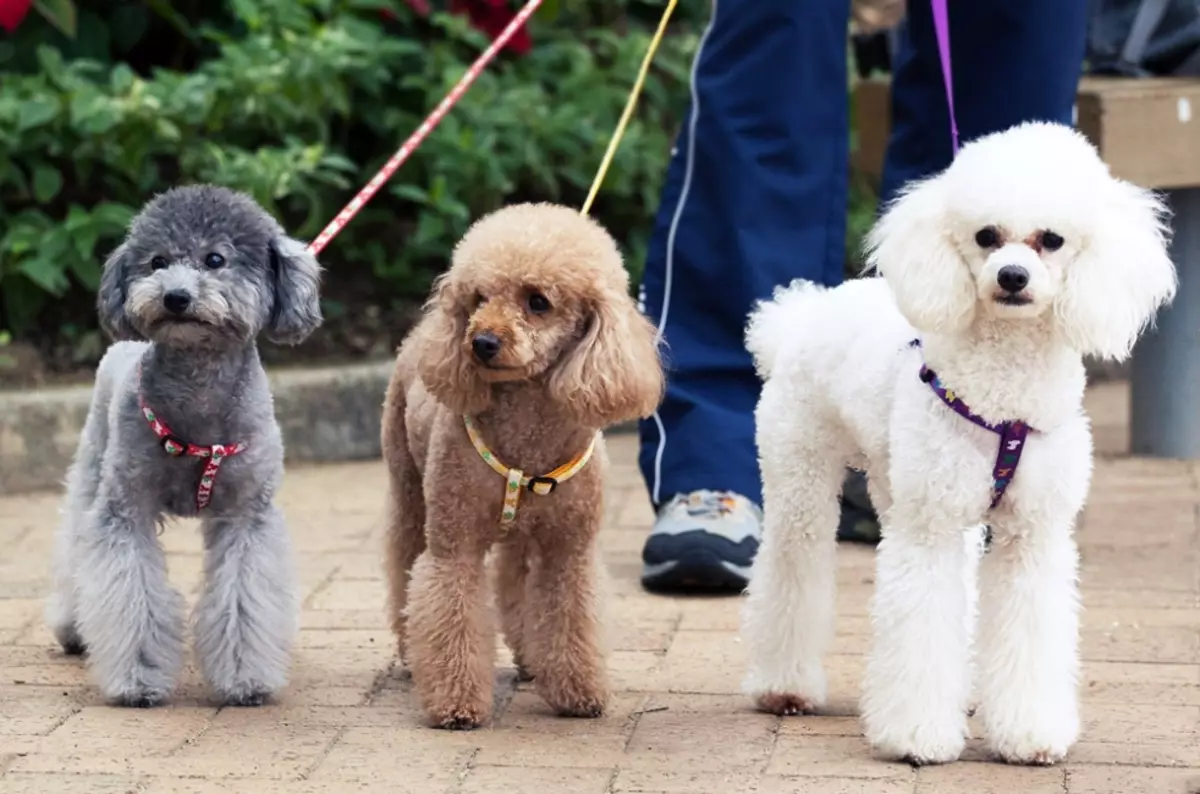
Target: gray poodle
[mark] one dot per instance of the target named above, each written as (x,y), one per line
(181,423)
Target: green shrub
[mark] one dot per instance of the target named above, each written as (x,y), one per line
(298,102)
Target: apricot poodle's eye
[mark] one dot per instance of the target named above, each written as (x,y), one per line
(538,304)
(478,300)
(1052,241)
(987,237)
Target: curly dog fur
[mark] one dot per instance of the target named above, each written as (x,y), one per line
(566,364)
(1023,256)
(201,273)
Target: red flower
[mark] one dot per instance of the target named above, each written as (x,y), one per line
(12,12)
(488,16)
(491,17)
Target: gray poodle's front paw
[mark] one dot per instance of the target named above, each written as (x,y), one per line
(144,686)
(248,694)
(140,697)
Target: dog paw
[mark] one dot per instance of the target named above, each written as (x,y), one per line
(248,698)
(459,720)
(784,704)
(1029,752)
(922,746)
(140,698)
(587,709)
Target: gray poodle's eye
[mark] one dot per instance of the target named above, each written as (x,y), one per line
(987,237)
(538,303)
(158,262)
(214,261)
(1052,241)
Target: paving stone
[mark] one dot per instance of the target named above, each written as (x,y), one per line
(677,722)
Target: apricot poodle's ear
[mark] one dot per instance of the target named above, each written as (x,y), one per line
(443,363)
(613,373)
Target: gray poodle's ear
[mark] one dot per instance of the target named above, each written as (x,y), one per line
(110,298)
(296,311)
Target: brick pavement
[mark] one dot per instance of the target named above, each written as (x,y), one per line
(677,722)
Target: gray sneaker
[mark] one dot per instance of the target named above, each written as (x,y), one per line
(704,542)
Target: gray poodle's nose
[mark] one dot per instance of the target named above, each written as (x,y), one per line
(486,345)
(177,301)
(1012,278)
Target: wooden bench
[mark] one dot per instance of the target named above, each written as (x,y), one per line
(1148,131)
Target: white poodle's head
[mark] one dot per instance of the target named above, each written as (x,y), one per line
(1028,223)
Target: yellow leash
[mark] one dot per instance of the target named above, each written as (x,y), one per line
(630,104)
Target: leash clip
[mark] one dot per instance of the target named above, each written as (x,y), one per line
(542,486)
(173,446)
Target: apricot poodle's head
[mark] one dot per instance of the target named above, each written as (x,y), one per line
(537,292)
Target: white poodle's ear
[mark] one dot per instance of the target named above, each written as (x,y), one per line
(912,247)
(1122,275)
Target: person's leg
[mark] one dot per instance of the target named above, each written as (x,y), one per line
(755,197)
(1013,61)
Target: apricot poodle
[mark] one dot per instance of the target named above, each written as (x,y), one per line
(529,346)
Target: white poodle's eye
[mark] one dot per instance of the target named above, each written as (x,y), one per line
(158,262)
(539,303)
(987,237)
(1052,241)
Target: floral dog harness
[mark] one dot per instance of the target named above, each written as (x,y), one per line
(175,447)
(515,479)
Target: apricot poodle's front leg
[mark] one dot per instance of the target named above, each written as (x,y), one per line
(563,642)
(511,575)
(451,637)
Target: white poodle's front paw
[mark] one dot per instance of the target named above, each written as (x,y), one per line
(923,743)
(1038,746)
(787,695)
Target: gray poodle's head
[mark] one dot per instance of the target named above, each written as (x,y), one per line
(204,265)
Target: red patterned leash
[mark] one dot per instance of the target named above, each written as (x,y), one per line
(389,168)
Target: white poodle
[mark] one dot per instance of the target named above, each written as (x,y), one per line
(1000,274)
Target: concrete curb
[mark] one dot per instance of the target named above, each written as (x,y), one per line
(327,414)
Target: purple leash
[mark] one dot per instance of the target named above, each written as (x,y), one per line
(941,26)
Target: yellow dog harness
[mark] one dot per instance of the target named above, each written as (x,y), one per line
(515,479)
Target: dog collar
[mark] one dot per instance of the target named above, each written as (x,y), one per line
(1012,434)
(515,479)
(214,455)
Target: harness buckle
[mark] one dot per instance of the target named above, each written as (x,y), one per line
(173,446)
(542,486)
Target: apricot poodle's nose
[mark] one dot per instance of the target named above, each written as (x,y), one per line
(486,345)
(1012,278)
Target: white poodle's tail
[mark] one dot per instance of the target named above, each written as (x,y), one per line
(775,321)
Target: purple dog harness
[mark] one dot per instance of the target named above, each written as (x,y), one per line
(1012,434)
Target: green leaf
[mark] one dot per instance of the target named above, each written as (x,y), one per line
(36,111)
(47,182)
(47,273)
(414,193)
(87,271)
(59,13)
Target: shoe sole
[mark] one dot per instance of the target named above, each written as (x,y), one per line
(700,572)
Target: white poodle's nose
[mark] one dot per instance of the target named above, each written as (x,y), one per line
(1012,278)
